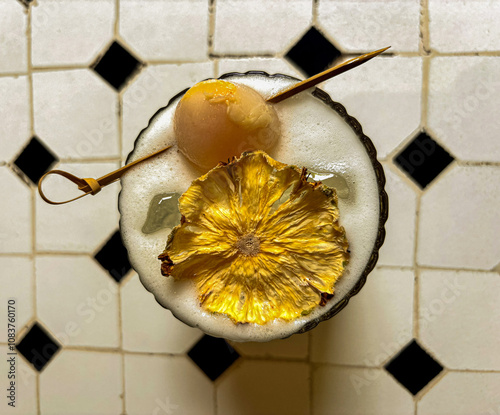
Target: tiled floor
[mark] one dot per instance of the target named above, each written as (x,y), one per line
(77,84)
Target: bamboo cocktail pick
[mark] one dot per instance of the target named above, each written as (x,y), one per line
(93,186)
(323,76)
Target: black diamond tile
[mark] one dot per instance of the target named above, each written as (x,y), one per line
(423,159)
(213,355)
(38,346)
(114,258)
(35,160)
(117,65)
(313,53)
(413,367)
(25,3)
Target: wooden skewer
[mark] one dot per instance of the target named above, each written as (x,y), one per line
(323,76)
(93,186)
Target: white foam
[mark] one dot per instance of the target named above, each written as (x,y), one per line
(314,136)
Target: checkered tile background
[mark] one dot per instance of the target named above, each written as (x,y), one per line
(79,79)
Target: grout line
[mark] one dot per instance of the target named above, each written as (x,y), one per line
(314,15)
(416,286)
(214,392)
(241,56)
(37,385)
(12,74)
(474,370)
(276,359)
(67,253)
(33,194)
(466,53)
(434,268)
(124,383)
(345,55)
(423,124)
(154,62)
(76,348)
(122,355)
(424,46)
(477,163)
(164,354)
(416,296)
(344,365)
(396,267)
(215,67)
(58,68)
(426,65)
(211,26)
(91,160)
(120,127)
(116,28)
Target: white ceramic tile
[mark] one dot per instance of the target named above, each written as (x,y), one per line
(399,244)
(152,90)
(82,225)
(465,26)
(87,303)
(13,24)
(78,382)
(464,93)
(14,110)
(259,26)
(269,65)
(76,113)
(68,33)
(25,402)
(16,280)
(365,25)
(459,317)
(357,391)
(384,95)
(166,385)
(259,387)
(463,394)
(458,225)
(375,325)
(295,347)
(170,30)
(15,205)
(148,327)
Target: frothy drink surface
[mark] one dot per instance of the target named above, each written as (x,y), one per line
(314,136)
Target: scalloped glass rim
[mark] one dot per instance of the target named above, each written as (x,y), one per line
(377,167)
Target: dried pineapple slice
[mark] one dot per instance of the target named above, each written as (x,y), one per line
(259,240)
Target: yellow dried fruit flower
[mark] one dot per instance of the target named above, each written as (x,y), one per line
(259,240)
